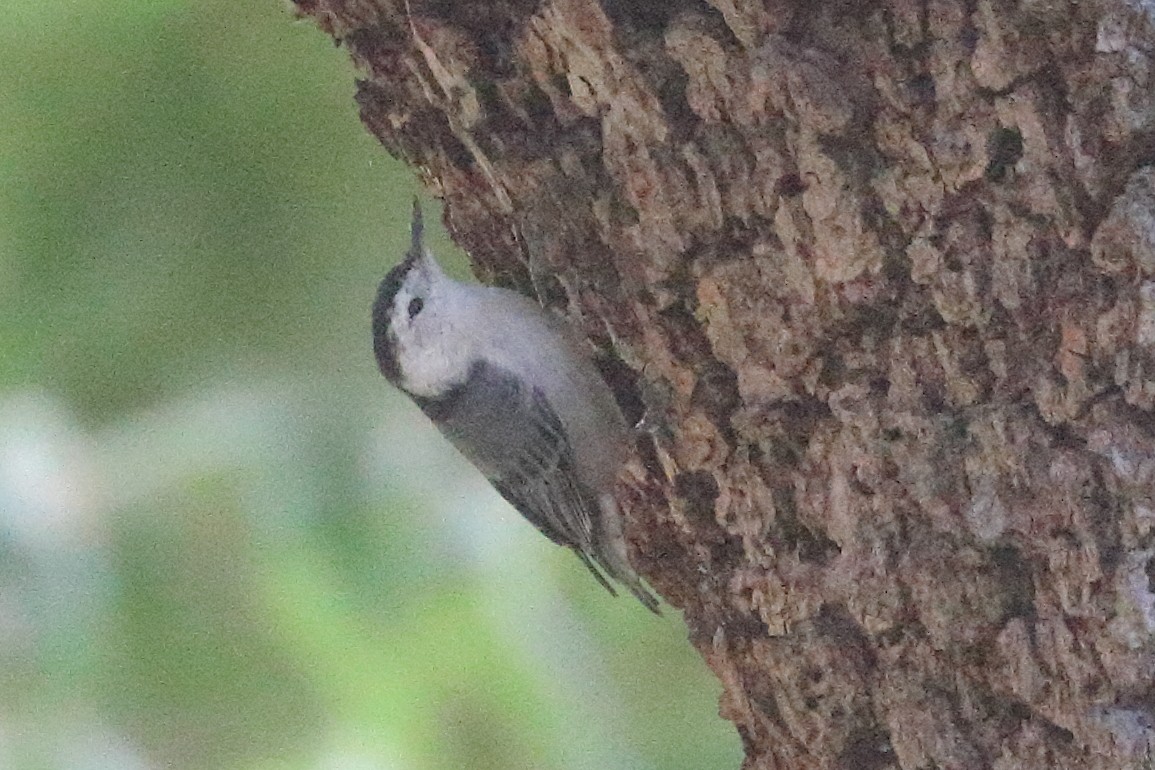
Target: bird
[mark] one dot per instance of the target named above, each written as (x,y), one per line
(516,391)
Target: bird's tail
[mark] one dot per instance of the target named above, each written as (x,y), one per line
(610,555)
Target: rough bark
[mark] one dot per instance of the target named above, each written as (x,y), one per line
(880,274)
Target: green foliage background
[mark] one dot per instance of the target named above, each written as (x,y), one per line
(224,542)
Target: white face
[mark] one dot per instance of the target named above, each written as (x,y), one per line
(429,344)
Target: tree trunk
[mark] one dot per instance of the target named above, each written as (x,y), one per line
(881,276)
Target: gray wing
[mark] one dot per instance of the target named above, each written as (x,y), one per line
(510,432)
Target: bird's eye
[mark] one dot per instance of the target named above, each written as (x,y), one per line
(415,306)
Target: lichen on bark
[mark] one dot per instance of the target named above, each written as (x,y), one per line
(882,275)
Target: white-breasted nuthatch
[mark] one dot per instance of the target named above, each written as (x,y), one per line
(513,389)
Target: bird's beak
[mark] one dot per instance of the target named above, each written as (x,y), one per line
(416,232)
